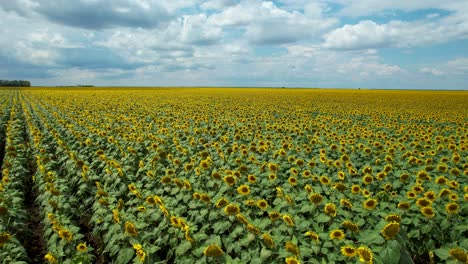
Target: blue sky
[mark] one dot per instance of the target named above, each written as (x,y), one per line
(397,44)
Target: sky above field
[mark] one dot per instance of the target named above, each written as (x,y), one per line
(404,44)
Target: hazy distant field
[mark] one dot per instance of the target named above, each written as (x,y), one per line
(233,176)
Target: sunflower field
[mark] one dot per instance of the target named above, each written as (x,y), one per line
(186,175)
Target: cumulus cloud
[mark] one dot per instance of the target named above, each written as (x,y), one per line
(265,23)
(401,34)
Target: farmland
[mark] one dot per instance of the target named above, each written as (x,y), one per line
(233,176)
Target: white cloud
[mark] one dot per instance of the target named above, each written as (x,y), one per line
(265,23)
(432,71)
(401,34)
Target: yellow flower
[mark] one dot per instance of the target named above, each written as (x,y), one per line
(292,260)
(404,205)
(221,203)
(4,237)
(268,240)
(452,208)
(330,209)
(229,180)
(262,204)
(213,251)
(393,218)
(365,255)
(81,247)
(390,230)
(288,219)
(316,198)
(291,247)
(130,229)
(337,234)
(241,218)
(292,181)
(243,190)
(355,189)
(350,226)
(459,254)
(428,212)
(50,258)
(370,204)
(348,251)
(314,236)
(65,234)
(253,229)
(139,252)
(231,209)
(274,215)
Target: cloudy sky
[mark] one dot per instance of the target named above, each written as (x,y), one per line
(420,44)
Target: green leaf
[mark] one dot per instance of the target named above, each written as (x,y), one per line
(221,227)
(183,247)
(125,255)
(371,237)
(264,254)
(391,254)
(321,218)
(442,253)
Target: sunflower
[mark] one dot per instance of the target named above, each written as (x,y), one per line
(241,218)
(139,252)
(428,212)
(350,226)
(221,203)
(324,180)
(393,218)
(348,251)
(50,258)
(288,219)
(268,240)
(253,229)
(339,186)
(243,190)
(337,234)
(291,247)
(4,237)
(213,251)
(423,202)
(308,188)
(65,234)
(262,204)
(441,180)
(459,254)
(166,180)
(273,167)
(130,229)
(292,181)
(390,230)
(274,215)
(367,179)
(231,209)
(404,177)
(453,197)
(292,260)
(430,195)
(365,255)
(330,209)
(196,195)
(355,189)
(316,198)
(229,180)
(452,208)
(312,235)
(370,204)
(347,203)
(411,195)
(251,178)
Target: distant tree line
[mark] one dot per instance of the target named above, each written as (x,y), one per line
(15,83)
